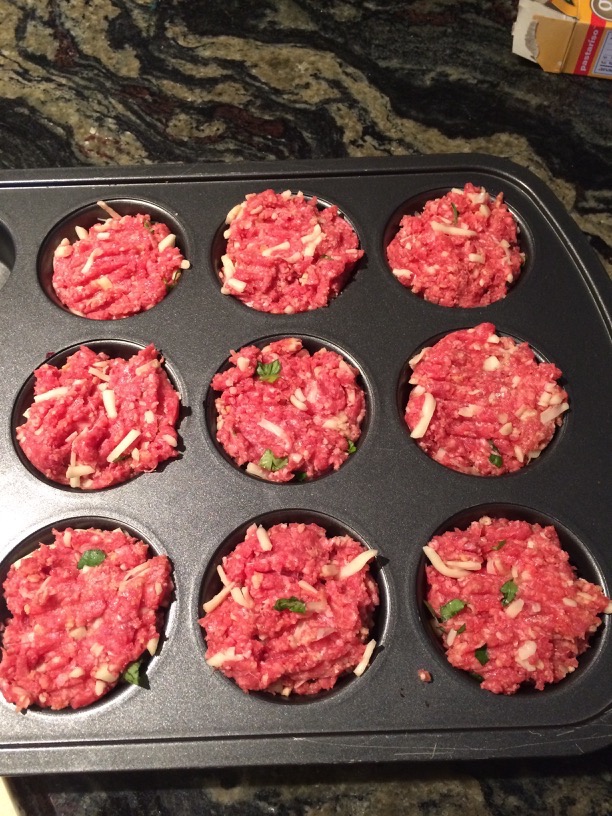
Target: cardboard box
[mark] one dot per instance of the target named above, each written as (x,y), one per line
(566,37)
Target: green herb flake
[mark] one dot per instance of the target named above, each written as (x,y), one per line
(461,629)
(508,590)
(91,558)
(455,213)
(499,545)
(269,372)
(132,674)
(495,458)
(351,446)
(481,655)
(327,257)
(300,476)
(291,604)
(271,462)
(476,676)
(148,226)
(451,609)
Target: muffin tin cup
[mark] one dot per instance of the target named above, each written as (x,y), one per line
(389,493)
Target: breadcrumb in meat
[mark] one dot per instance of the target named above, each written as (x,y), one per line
(73,631)
(286,413)
(482,404)
(285,254)
(508,604)
(98,421)
(120,267)
(294,617)
(462,250)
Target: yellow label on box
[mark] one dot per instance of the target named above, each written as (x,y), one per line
(569,37)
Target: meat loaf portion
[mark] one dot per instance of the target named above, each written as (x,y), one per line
(284,254)
(295,610)
(462,250)
(98,421)
(286,413)
(482,404)
(74,629)
(122,266)
(508,604)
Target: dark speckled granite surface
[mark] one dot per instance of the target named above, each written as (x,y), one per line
(103,82)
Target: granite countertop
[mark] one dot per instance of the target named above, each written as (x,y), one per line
(120,82)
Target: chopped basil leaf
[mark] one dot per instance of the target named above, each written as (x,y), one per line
(481,655)
(499,545)
(351,446)
(91,558)
(431,610)
(495,457)
(132,674)
(451,609)
(300,475)
(508,590)
(327,257)
(270,462)
(461,629)
(147,225)
(455,213)
(478,677)
(292,604)
(269,372)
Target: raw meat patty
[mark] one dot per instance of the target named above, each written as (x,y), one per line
(286,413)
(295,610)
(509,606)
(74,631)
(98,421)
(286,255)
(461,250)
(118,268)
(482,404)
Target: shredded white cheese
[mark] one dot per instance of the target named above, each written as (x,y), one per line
(264,539)
(131,436)
(218,599)
(437,227)
(108,398)
(427,412)
(54,393)
(553,412)
(444,569)
(168,241)
(363,663)
(357,563)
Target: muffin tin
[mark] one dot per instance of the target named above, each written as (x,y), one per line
(388,494)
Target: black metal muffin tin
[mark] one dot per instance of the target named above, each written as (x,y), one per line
(388,494)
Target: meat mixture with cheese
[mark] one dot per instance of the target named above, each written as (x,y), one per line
(508,605)
(122,266)
(82,611)
(294,612)
(286,413)
(481,403)
(98,421)
(461,250)
(285,254)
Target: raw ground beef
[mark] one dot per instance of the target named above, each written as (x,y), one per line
(461,250)
(286,255)
(118,268)
(98,421)
(514,612)
(73,632)
(286,413)
(482,404)
(283,650)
